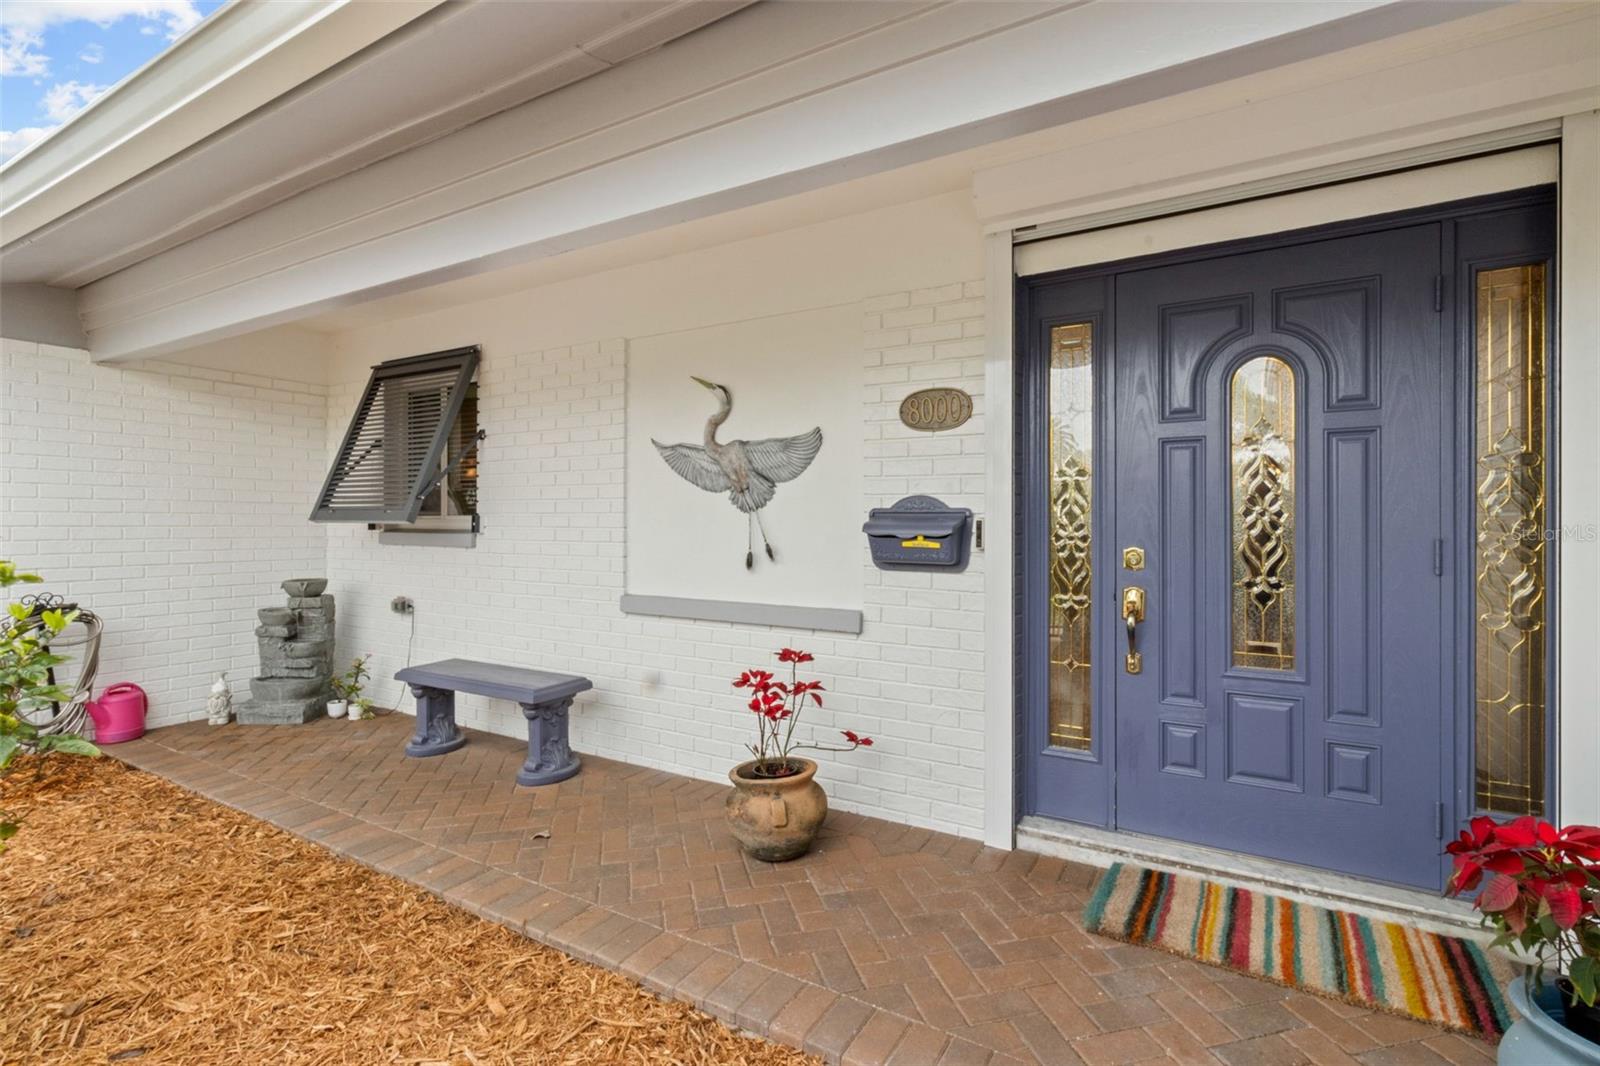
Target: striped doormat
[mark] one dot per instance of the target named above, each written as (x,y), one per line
(1439,979)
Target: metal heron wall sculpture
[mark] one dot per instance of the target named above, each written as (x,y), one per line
(747,470)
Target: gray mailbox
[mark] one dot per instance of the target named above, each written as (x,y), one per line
(919,532)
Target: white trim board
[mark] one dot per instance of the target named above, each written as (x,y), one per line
(1501,172)
(1357,169)
(999,420)
(1304,884)
(1578,498)
(773,615)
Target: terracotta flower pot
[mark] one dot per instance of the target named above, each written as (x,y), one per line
(775,818)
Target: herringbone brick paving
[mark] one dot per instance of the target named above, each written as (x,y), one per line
(885,944)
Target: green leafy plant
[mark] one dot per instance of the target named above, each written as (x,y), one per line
(349,685)
(25,681)
(362,708)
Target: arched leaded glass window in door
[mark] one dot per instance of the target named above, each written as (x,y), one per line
(1262,466)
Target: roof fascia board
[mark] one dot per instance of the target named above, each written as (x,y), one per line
(241,58)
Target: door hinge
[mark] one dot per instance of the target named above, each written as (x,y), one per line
(1438,822)
(1438,292)
(1438,557)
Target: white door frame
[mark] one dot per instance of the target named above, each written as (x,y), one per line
(1578,498)
(1578,580)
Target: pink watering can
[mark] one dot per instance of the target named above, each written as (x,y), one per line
(118,714)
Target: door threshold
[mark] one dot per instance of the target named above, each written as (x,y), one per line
(1303,884)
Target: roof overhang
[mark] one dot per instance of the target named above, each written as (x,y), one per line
(264,101)
(779,100)
(238,60)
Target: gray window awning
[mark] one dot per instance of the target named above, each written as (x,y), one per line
(391,452)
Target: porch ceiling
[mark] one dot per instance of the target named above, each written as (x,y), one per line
(413,72)
(779,100)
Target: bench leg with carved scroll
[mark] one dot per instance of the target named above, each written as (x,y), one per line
(550,759)
(436,723)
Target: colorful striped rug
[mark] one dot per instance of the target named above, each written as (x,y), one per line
(1440,979)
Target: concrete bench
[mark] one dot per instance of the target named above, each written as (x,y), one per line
(544,697)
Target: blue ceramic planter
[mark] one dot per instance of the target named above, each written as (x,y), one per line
(1539,1038)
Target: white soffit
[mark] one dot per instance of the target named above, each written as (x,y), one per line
(1497,80)
(1482,176)
(775,101)
(460,63)
(239,59)
(946,176)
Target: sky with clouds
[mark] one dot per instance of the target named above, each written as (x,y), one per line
(58,55)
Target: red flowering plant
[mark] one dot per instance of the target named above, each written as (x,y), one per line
(777,706)
(1539,888)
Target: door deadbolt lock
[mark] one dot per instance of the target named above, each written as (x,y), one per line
(1132,615)
(1133,558)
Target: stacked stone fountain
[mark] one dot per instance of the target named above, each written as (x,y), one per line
(296,645)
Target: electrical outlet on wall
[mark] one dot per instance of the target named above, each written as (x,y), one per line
(402,605)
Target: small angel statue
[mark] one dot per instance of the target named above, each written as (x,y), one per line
(219,707)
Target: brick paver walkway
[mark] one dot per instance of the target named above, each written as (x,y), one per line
(886,944)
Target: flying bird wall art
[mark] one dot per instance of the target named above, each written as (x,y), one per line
(747,470)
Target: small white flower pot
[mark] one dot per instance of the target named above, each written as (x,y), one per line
(355,713)
(336,708)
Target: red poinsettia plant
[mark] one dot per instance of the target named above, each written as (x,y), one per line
(777,705)
(1539,888)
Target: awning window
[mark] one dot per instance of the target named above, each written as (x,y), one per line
(390,459)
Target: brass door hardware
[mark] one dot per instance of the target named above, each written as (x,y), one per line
(1132,615)
(1133,558)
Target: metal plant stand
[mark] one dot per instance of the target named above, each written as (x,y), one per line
(82,666)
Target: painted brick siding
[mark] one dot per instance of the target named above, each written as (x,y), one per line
(920,683)
(169,499)
(543,584)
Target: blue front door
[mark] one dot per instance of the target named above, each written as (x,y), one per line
(1310,468)
(1281,470)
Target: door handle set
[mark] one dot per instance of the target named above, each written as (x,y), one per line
(1132,614)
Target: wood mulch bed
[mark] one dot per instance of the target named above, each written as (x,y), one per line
(139,922)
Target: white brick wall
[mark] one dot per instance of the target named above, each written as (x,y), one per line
(173,499)
(920,685)
(543,584)
(169,499)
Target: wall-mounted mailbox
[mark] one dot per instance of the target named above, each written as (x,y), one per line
(919,532)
